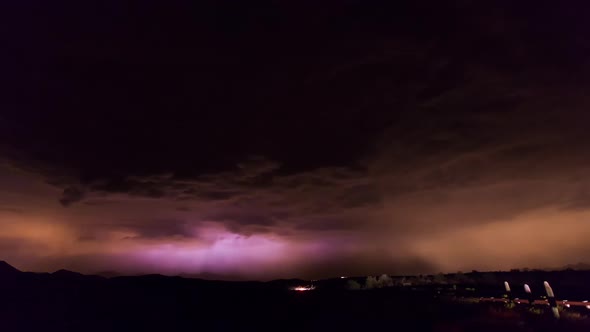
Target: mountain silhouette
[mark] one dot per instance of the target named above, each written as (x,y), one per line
(71,275)
(7,269)
(109,274)
(67,274)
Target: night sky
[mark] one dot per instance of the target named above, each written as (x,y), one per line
(278,138)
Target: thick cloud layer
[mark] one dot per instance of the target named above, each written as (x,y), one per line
(278,140)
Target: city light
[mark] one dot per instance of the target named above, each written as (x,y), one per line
(303,288)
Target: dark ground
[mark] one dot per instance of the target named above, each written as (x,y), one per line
(66,301)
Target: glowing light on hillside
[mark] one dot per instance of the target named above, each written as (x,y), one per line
(303,288)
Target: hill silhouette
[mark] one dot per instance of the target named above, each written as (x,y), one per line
(65,300)
(67,273)
(7,269)
(108,274)
(71,275)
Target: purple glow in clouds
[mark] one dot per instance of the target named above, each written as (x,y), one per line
(217,251)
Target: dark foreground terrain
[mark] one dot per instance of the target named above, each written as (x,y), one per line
(67,301)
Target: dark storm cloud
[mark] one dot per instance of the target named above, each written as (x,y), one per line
(208,195)
(300,201)
(244,217)
(187,121)
(402,124)
(71,195)
(328,222)
(360,196)
(160,228)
